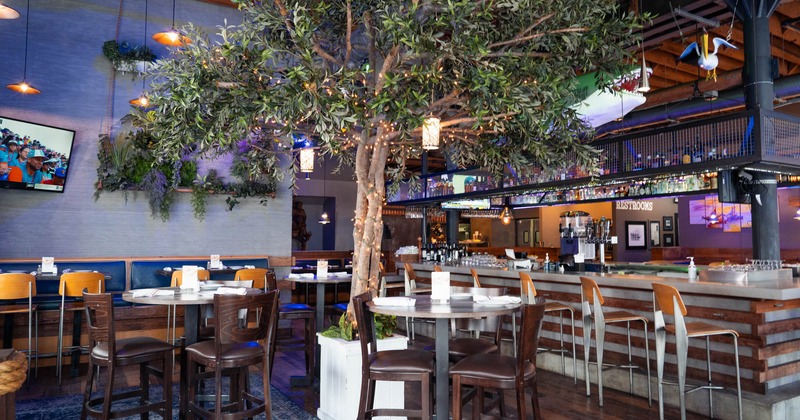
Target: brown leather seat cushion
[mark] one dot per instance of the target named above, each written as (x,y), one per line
(238,351)
(401,361)
(132,347)
(464,346)
(491,366)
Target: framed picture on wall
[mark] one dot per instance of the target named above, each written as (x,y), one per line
(669,240)
(667,223)
(655,233)
(635,235)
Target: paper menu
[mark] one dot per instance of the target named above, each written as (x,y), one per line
(189,280)
(440,285)
(322,268)
(510,254)
(215,263)
(48,265)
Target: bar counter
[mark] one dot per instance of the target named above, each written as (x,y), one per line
(765,313)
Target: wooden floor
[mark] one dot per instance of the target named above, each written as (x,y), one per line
(558,396)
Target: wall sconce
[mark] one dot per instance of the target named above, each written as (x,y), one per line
(430,133)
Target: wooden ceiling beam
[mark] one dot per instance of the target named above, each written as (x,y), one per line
(681,92)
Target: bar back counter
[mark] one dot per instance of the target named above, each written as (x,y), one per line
(766,313)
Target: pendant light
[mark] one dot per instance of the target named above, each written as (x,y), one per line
(505,216)
(171,37)
(7,12)
(644,79)
(323,218)
(23,87)
(143,101)
(430,133)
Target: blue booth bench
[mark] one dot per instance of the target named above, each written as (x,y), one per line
(143,273)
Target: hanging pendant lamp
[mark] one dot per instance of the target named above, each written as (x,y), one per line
(323,218)
(172,37)
(24,87)
(644,79)
(142,101)
(7,12)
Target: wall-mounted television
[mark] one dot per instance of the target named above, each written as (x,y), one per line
(467,204)
(34,156)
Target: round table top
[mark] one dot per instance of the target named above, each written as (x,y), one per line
(325,280)
(180,297)
(455,308)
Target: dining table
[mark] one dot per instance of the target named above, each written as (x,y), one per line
(442,311)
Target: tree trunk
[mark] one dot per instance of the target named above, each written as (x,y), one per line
(370,164)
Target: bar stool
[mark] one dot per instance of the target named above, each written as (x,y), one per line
(412,289)
(15,286)
(529,290)
(667,300)
(592,299)
(172,311)
(72,285)
(475,281)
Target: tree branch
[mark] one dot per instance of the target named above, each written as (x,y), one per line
(327,57)
(518,54)
(349,49)
(387,64)
(458,121)
(520,40)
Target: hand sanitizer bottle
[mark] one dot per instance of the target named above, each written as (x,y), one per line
(692,270)
(546,262)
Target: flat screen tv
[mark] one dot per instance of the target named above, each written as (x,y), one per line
(34,156)
(467,204)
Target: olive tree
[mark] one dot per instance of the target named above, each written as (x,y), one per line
(360,77)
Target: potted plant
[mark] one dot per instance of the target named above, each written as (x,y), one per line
(127,57)
(340,368)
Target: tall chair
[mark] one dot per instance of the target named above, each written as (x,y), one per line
(291,312)
(461,347)
(528,290)
(111,353)
(385,285)
(389,365)
(15,286)
(234,349)
(72,286)
(475,281)
(592,307)
(503,372)
(172,311)
(667,301)
(412,289)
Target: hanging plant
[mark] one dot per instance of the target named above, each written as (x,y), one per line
(127,57)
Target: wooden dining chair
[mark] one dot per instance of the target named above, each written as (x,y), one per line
(72,285)
(154,357)
(234,349)
(17,286)
(389,365)
(529,290)
(497,371)
(477,328)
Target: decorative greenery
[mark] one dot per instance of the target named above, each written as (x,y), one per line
(384,327)
(129,163)
(361,76)
(124,55)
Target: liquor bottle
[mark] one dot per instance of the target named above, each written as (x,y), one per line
(687,154)
(637,163)
(697,153)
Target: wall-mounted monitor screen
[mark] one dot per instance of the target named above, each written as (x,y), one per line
(34,156)
(469,204)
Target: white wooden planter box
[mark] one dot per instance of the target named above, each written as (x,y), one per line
(340,378)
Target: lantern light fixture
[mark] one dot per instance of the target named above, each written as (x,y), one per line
(430,133)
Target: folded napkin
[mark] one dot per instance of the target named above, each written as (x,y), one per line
(394,301)
(293,276)
(249,267)
(307,276)
(497,299)
(152,292)
(231,291)
(167,268)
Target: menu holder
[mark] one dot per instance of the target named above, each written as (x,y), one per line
(440,286)
(215,263)
(48,265)
(322,269)
(190,281)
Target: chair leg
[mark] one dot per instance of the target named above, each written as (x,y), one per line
(456,400)
(109,391)
(60,345)
(520,393)
(310,346)
(36,371)
(535,400)
(574,353)
(477,403)
(599,345)
(87,393)
(661,341)
(426,399)
(647,361)
(265,375)
(587,344)
(738,375)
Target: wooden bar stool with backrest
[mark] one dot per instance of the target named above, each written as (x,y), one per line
(475,280)
(290,312)
(385,286)
(14,286)
(667,301)
(259,278)
(72,285)
(502,372)
(461,347)
(390,365)
(234,349)
(113,354)
(204,332)
(592,308)
(412,289)
(528,289)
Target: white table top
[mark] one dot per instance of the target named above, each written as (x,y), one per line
(461,308)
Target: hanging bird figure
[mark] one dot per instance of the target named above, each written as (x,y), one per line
(706,60)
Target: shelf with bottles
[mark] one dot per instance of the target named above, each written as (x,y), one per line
(657,186)
(445,184)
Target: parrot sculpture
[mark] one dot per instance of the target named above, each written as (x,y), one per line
(707,61)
